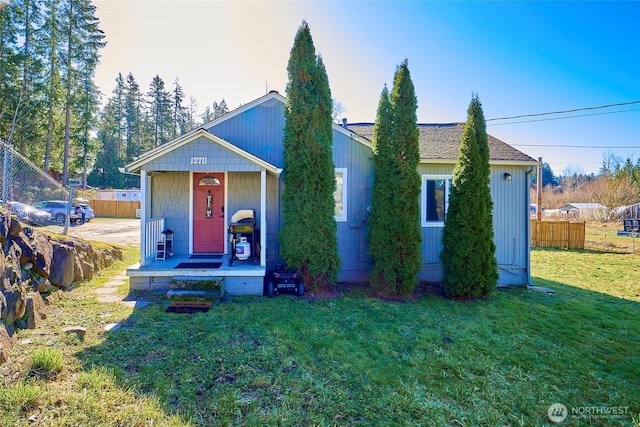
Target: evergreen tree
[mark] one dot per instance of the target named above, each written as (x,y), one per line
(178,111)
(54,85)
(83,40)
(160,111)
(27,124)
(381,236)
(9,68)
(468,256)
(394,232)
(190,114)
(110,156)
(207,115)
(220,109)
(308,237)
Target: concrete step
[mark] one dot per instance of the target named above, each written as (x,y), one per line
(196,288)
(191,295)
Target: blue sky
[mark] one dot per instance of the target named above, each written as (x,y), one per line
(520,57)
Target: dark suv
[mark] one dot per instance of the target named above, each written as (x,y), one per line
(58,211)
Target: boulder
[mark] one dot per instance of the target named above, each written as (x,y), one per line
(15,305)
(15,227)
(43,254)
(7,341)
(34,310)
(24,243)
(62,265)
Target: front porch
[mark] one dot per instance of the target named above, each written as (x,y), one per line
(241,278)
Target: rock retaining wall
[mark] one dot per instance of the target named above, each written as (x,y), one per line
(34,267)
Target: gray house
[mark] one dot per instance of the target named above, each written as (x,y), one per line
(193,186)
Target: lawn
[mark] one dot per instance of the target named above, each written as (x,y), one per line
(352,360)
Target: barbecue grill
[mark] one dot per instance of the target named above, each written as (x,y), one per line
(243,236)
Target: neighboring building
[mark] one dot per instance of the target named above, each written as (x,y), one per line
(195,183)
(584,211)
(625,212)
(119,195)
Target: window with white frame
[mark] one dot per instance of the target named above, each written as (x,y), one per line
(434,199)
(340,195)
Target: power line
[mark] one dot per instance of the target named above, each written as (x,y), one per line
(565,111)
(574,146)
(561,118)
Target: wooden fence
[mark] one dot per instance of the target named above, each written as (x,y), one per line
(115,208)
(558,234)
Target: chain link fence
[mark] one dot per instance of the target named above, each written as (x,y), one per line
(22,181)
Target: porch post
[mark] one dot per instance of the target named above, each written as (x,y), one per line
(143,217)
(263,218)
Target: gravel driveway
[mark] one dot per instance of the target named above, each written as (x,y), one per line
(121,231)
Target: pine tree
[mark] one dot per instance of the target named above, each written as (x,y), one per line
(83,39)
(160,111)
(9,68)
(54,84)
(468,256)
(220,109)
(178,112)
(308,237)
(394,231)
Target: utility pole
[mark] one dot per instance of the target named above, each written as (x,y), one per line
(539,191)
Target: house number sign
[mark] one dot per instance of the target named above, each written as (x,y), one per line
(198,161)
(209,204)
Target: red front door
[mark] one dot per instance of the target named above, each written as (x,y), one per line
(208,212)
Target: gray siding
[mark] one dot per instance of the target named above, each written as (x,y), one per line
(244,193)
(510,225)
(258,131)
(352,233)
(170,194)
(217,158)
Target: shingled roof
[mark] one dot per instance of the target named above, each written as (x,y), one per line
(442,142)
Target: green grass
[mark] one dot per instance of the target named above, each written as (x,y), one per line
(45,363)
(352,360)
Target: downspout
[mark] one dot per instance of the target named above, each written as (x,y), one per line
(528,227)
(143,217)
(279,172)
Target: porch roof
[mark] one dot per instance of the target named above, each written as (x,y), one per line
(145,159)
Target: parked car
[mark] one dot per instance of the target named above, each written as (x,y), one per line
(29,214)
(58,210)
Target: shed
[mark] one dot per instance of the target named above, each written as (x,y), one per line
(584,211)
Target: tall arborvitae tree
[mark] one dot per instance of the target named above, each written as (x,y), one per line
(394,230)
(382,242)
(308,236)
(468,256)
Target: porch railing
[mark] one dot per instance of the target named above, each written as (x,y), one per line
(153,230)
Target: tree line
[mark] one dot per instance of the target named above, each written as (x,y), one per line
(49,51)
(50,106)
(133,122)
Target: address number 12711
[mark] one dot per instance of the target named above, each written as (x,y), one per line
(198,160)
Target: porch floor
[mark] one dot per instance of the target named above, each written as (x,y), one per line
(243,277)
